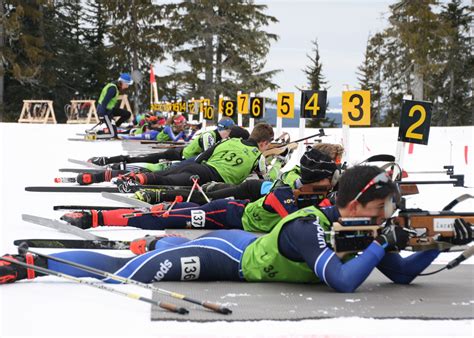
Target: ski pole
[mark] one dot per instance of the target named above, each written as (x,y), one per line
(195,180)
(192,188)
(167,306)
(177,199)
(206,304)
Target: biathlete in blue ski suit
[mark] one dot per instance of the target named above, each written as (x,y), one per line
(173,131)
(260,215)
(297,250)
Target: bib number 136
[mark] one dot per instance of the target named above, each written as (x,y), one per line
(190,268)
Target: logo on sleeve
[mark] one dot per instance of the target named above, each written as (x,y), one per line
(320,233)
(164,268)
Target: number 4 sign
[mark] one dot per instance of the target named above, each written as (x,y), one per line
(415,121)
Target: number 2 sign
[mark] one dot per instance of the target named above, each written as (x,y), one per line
(415,121)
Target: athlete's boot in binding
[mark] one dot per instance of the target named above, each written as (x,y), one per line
(84,219)
(10,272)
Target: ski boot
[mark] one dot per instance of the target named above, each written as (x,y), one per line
(10,272)
(142,245)
(151,196)
(125,183)
(84,219)
(103,160)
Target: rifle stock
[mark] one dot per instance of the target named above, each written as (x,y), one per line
(427,225)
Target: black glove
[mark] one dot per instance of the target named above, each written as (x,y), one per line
(462,233)
(393,237)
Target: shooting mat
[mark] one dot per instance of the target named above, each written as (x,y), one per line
(447,295)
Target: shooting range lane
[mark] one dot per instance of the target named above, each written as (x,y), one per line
(448,295)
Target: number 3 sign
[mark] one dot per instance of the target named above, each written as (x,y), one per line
(356,108)
(415,122)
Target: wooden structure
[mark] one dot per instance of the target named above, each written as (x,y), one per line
(82,111)
(85,111)
(124,103)
(37,111)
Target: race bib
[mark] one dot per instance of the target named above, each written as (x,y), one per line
(198,218)
(190,268)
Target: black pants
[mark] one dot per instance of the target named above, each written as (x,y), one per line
(172,154)
(249,189)
(107,119)
(122,113)
(181,175)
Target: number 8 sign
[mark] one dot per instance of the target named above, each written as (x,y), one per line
(415,121)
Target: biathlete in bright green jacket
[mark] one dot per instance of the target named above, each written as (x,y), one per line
(230,161)
(197,146)
(297,250)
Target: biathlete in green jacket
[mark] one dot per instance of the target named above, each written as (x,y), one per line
(297,250)
(108,106)
(198,145)
(258,216)
(147,164)
(311,164)
(229,161)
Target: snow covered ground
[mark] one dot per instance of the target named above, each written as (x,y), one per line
(31,155)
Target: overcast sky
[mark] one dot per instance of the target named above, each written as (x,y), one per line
(341,28)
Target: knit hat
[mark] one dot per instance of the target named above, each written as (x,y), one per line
(316,166)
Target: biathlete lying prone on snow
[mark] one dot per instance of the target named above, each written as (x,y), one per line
(259,216)
(297,250)
(150,163)
(251,189)
(229,161)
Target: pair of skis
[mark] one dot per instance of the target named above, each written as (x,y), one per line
(89,240)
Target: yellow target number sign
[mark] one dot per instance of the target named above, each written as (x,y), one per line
(286,105)
(243,103)
(356,108)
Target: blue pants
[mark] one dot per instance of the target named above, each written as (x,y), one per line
(217,214)
(213,256)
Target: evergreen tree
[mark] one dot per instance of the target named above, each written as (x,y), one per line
(409,55)
(97,64)
(23,53)
(223,44)
(317,81)
(454,98)
(135,34)
(369,76)
(66,75)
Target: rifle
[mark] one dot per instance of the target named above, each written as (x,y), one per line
(311,194)
(280,148)
(428,226)
(351,235)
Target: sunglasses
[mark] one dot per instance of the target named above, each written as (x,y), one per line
(378,181)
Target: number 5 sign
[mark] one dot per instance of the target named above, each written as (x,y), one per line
(286,105)
(356,108)
(415,122)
